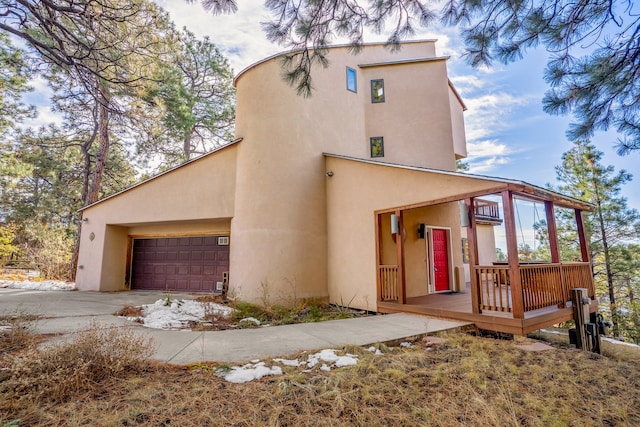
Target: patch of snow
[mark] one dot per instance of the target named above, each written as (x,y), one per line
(330,356)
(252,320)
(179,313)
(288,362)
(375,351)
(327,359)
(607,339)
(250,372)
(614,341)
(406,344)
(45,285)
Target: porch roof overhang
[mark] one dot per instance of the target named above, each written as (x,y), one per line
(497,185)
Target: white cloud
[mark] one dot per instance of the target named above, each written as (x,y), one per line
(239,36)
(490,113)
(487,155)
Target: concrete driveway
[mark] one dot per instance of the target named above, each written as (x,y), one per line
(68,312)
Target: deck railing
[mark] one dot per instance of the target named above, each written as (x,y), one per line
(494,288)
(487,209)
(543,285)
(388,279)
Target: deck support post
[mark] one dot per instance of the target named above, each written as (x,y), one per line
(378,256)
(552,232)
(512,253)
(582,236)
(580,303)
(402,285)
(472,240)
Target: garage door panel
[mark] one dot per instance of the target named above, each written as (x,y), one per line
(181,264)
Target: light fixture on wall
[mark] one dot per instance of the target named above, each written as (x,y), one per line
(85,219)
(395,224)
(421,231)
(465,220)
(329,174)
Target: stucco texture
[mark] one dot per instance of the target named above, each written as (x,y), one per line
(355,192)
(195,199)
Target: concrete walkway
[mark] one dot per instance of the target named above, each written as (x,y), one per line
(68,312)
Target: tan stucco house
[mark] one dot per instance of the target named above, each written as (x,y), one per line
(348,196)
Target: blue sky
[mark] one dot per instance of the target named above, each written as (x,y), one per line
(508,134)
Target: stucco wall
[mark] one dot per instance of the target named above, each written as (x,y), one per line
(354,193)
(185,201)
(279,227)
(415,119)
(441,216)
(457,125)
(486,244)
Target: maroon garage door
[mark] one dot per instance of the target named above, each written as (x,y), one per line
(180,263)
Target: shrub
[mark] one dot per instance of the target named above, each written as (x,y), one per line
(16,332)
(57,373)
(49,250)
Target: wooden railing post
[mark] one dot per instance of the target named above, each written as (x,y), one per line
(552,232)
(472,240)
(402,289)
(579,301)
(512,253)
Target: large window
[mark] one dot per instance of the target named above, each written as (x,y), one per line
(377,146)
(377,91)
(352,83)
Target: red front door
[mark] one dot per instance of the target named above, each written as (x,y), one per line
(440,260)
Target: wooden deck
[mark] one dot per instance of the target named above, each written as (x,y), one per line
(457,306)
(513,300)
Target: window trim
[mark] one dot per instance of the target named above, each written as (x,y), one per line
(373,98)
(371,141)
(355,80)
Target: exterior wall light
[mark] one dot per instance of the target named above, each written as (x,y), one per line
(395,224)
(329,174)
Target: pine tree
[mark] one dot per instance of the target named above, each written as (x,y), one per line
(612,225)
(593,45)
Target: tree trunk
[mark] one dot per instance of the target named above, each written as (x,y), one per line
(607,262)
(92,182)
(186,147)
(101,156)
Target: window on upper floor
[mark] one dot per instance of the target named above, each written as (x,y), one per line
(377,91)
(376,144)
(352,83)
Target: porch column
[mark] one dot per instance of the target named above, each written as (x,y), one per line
(552,231)
(512,252)
(582,236)
(472,240)
(402,285)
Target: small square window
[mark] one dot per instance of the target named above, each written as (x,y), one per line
(377,91)
(352,84)
(377,146)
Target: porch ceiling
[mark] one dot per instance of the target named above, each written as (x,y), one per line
(460,186)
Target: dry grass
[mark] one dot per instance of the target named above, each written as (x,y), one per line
(465,381)
(16,332)
(55,374)
(129,311)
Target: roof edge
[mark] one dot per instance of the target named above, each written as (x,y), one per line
(168,171)
(405,61)
(342,45)
(508,181)
(457,95)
